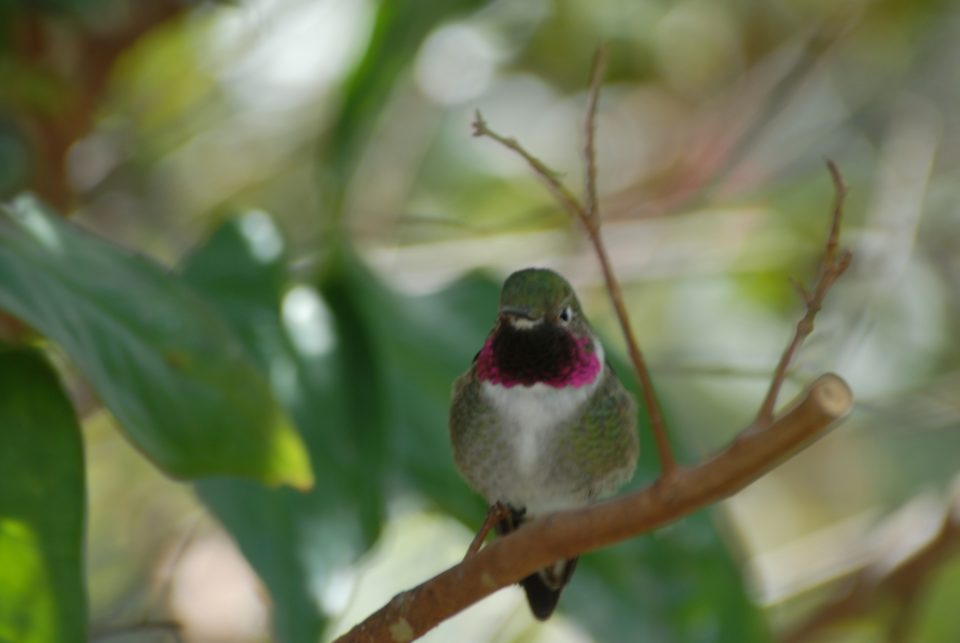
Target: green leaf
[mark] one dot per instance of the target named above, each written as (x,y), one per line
(427,342)
(177,380)
(42,594)
(324,369)
(399,28)
(361,389)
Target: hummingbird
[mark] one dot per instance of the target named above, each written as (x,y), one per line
(540,422)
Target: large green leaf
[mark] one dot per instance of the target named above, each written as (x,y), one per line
(172,373)
(323,367)
(427,341)
(42,594)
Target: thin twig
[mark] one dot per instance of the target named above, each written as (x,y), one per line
(566,534)
(840,194)
(590,130)
(833,264)
(159,595)
(591,223)
(903,581)
(170,627)
(673,368)
(668,465)
(549,177)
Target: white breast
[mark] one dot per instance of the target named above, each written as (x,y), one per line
(531,414)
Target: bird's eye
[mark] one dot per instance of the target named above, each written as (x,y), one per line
(566,314)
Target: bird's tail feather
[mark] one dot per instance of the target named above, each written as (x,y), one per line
(544,586)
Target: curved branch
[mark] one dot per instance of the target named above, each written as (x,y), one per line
(566,534)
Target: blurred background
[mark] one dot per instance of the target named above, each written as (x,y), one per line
(336,134)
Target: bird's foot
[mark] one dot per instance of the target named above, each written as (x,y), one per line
(497,513)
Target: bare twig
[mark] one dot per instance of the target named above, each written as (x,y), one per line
(570,533)
(107,632)
(549,177)
(37,39)
(668,465)
(158,595)
(590,130)
(903,581)
(589,217)
(833,265)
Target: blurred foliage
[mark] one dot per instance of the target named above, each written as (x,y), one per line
(294,539)
(42,589)
(230,344)
(398,30)
(166,368)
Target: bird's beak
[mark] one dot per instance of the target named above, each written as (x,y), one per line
(516,311)
(520,317)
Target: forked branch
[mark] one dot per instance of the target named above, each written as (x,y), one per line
(833,264)
(589,216)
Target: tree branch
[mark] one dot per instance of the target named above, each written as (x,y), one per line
(589,216)
(860,593)
(556,187)
(589,131)
(38,41)
(168,626)
(570,533)
(831,267)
